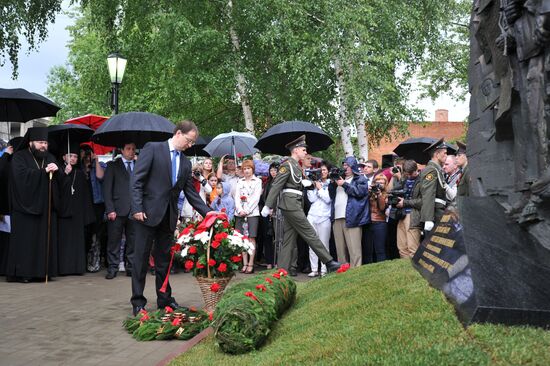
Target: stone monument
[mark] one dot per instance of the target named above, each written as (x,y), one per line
(494,263)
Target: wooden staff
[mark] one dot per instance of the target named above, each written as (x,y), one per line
(49,224)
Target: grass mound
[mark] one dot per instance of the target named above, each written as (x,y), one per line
(380,314)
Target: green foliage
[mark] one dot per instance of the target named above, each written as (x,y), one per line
(380,314)
(27,18)
(244,316)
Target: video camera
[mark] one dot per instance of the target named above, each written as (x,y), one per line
(395,195)
(336,173)
(313,174)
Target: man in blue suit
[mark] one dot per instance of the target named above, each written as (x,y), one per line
(161,173)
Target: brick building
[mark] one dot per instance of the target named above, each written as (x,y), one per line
(441,127)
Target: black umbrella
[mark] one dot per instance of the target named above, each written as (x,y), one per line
(19,105)
(273,141)
(136,127)
(67,133)
(413,149)
(198,148)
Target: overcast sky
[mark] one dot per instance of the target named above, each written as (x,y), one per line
(34,68)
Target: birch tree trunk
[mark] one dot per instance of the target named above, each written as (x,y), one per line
(362,136)
(342,109)
(241,80)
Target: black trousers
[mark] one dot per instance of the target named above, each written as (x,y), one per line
(114,235)
(163,238)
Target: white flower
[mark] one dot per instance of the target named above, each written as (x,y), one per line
(184,239)
(204,237)
(184,251)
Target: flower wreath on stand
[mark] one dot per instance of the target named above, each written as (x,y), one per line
(212,249)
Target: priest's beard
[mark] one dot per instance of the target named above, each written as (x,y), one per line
(39,154)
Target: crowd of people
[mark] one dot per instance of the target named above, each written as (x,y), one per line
(300,216)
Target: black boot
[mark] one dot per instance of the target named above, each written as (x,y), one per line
(332,265)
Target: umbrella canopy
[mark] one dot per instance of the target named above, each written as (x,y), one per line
(232,143)
(93,121)
(273,141)
(198,148)
(137,127)
(19,105)
(63,135)
(413,149)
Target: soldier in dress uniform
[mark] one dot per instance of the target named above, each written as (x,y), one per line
(463,186)
(431,189)
(290,181)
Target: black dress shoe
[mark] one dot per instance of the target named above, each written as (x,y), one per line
(292,272)
(306,270)
(174,305)
(110,275)
(137,309)
(333,266)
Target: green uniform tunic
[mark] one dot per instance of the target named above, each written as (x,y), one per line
(463,187)
(295,221)
(431,186)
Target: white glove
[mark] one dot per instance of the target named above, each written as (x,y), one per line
(428,225)
(306,183)
(266,211)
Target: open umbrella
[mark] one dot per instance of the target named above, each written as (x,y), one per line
(93,121)
(136,127)
(232,143)
(19,105)
(198,148)
(273,141)
(67,133)
(413,149)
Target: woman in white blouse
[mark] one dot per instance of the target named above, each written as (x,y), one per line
(319,217)
(247,213)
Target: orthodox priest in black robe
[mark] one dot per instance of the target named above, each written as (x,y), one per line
(5,161)
(75,211)
(31,253)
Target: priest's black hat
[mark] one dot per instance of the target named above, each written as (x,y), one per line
(33,134)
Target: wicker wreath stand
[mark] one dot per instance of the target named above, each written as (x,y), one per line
(210,297)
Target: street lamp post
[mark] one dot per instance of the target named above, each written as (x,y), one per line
(117,65)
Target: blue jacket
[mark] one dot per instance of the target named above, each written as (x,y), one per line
(358,207)
(226,201)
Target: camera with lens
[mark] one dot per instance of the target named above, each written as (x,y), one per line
(375,188)
(395,195)
(196,173)
(336,173)
(396,169)
(313,174)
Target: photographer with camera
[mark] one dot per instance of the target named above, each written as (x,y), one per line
(319,216)
(350,210)
(408,239)
(188,213)
(376,232)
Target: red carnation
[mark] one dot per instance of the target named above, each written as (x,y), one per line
(175,248)
(193,309)
(224,209)
(211,262)
(199,265)
(277,275)
(261,287)
(283,271)
(192,250)
(215,287)
(215,244)
(243,198)
(239,155)
(168,309)
(267,279)
(236,258)
(222,267)
(211,316)
(343,268)
(225,225)
(144,318)
(251,295)
(220,236)
(176,322)
(189,265)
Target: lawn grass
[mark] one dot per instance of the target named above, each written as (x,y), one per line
(382,314)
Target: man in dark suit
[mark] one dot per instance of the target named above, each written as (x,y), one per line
(161,173)
(116,192)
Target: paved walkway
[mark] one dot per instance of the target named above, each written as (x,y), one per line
(77,320)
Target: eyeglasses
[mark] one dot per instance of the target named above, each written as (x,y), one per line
(190,142)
